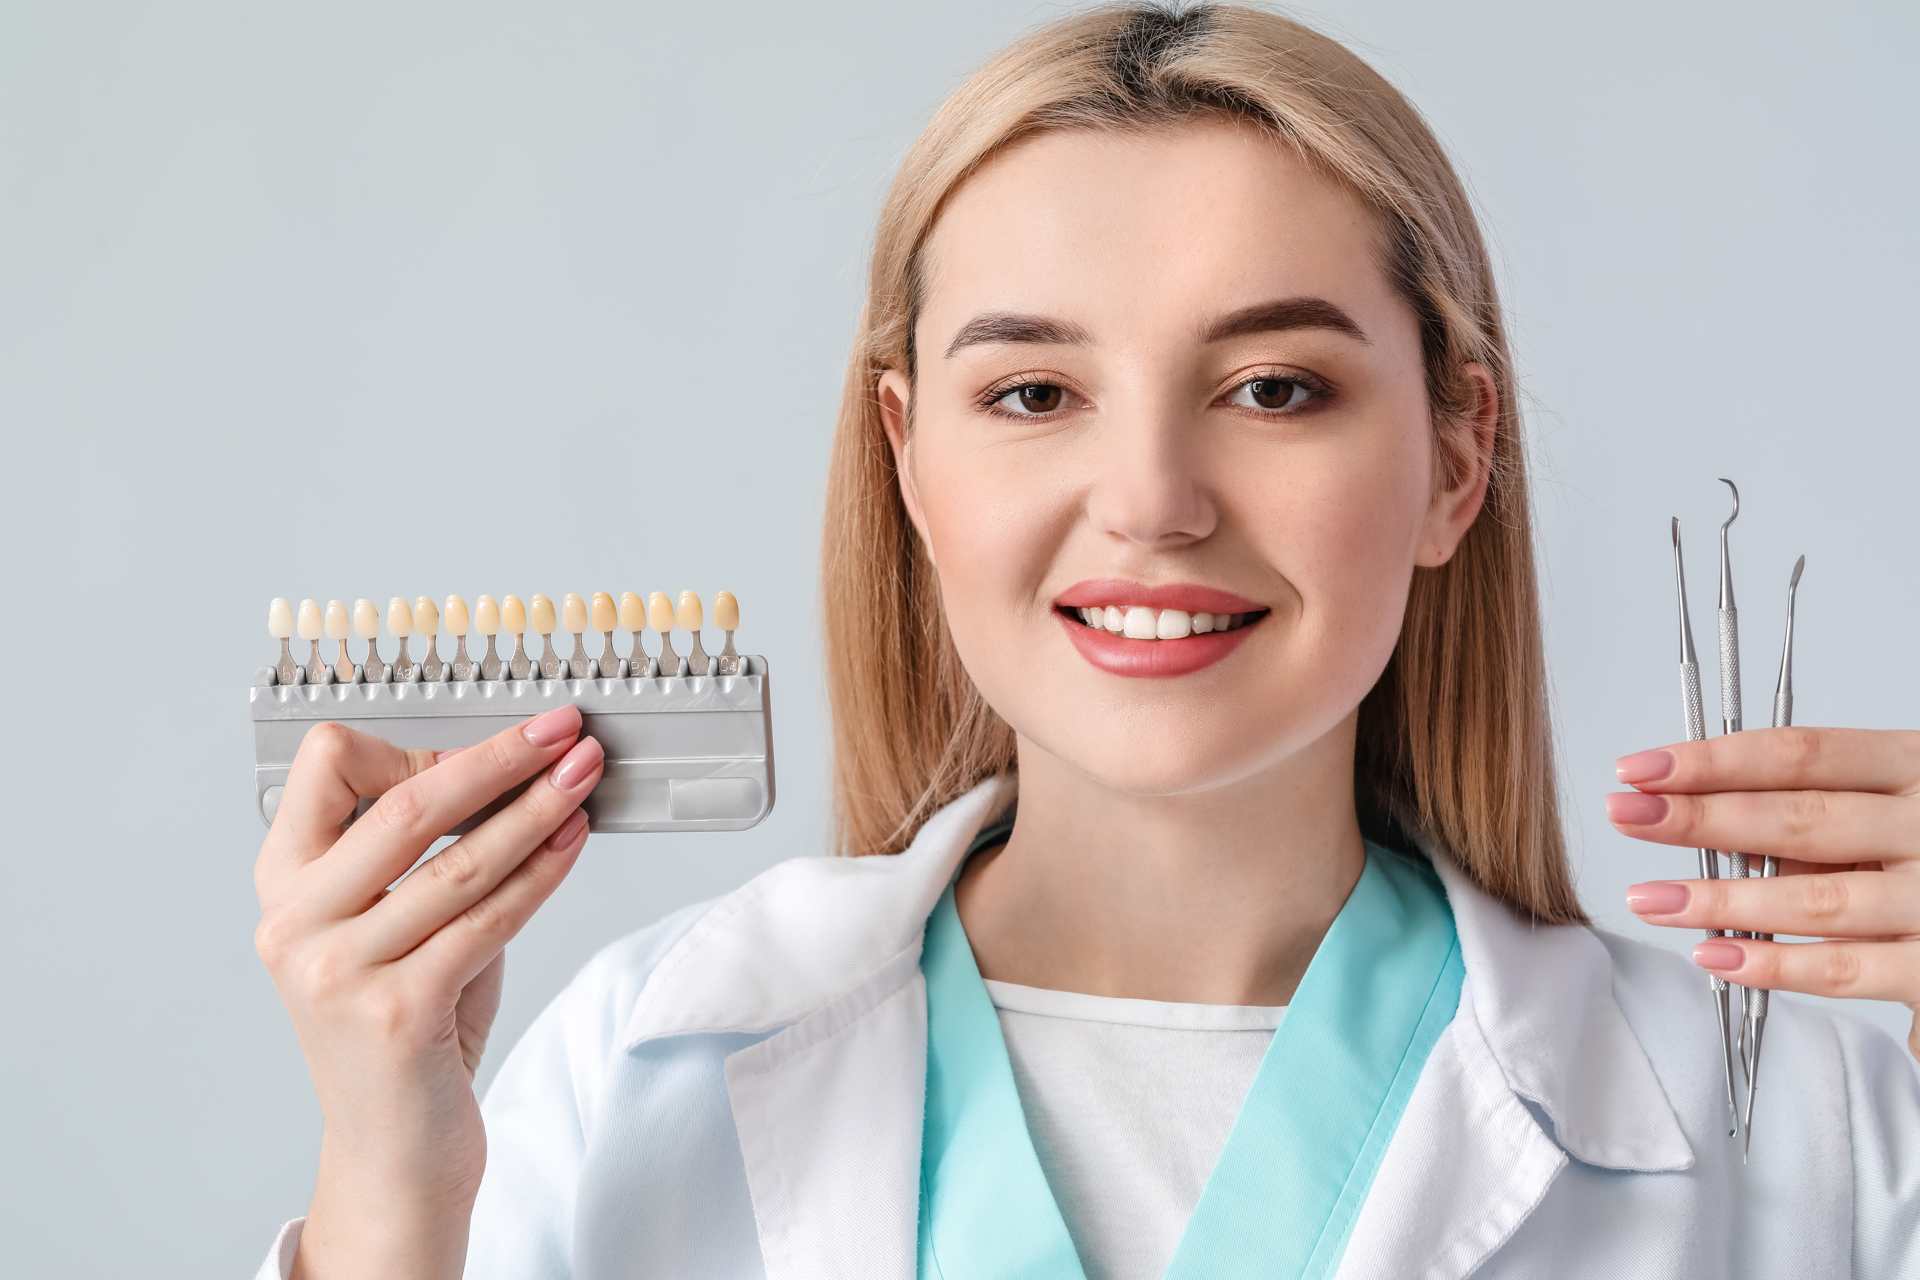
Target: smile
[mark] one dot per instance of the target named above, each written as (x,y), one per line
(1134,640)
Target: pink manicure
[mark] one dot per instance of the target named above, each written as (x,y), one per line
(577,763)
(552,726)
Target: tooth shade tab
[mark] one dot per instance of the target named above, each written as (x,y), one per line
(688,612)
(456,615)
(426,616)
(633,612)
(573,612)
(726,611)
(540,611)
(512,617)
(336,620)
(311,624)
(660,612)
(486,614)
(280,618)
(366,619)
(399,617)
(605,616)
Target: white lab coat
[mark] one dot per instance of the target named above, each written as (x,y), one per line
(736,1090)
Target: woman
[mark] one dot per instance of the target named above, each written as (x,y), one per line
(1186,671)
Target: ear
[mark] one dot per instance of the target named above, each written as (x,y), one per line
(1453,509)
(895,394)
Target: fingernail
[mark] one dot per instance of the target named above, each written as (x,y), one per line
(1715,954)
(1636,808)
(1644,766)
(577,763)
(1657,897)
(569,830)
(438,756)
(552,726)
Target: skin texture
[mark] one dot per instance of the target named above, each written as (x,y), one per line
(1187,838)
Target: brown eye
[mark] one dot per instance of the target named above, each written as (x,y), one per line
(1272,393)
(1036,398)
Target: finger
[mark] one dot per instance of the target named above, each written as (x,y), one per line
(1813,826)
(333,769)
(410,815)
(467,870)
(1788,758)
(1853,970)
(1847,904)
(460,949)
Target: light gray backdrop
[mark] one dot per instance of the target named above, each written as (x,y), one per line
(376,299)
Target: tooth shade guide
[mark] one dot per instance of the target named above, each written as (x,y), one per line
(682,755)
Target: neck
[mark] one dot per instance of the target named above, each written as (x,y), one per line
(1219,896)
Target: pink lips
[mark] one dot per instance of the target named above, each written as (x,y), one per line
(1123,656)
(1190,596)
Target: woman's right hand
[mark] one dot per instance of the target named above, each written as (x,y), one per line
(392,991)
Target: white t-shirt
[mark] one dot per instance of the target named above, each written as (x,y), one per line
(1129,1103)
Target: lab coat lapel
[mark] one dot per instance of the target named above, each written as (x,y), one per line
(1539,1066)
(825,953)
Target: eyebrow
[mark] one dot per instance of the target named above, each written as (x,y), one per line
(1274,316)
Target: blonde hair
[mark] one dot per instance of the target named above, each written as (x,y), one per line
(1455,736)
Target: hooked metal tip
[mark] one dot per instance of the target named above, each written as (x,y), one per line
(1676,531)
(1736,502)
(1794,582)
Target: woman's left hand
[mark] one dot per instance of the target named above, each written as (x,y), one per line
(1839,808)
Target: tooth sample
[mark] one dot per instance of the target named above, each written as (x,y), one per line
(486,622)
(540,612)
(605,619)
(660,614)
(366,625)
(280,627)
(400,622)
(426,622)
(1112,619)
(688,616)
(1175,624)
(726,616)
(513,616)
(462,667)
(343,668)
(310,629)
(573,614)
(633,616)
(1202,623)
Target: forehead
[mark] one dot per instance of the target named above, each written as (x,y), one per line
(1139,232)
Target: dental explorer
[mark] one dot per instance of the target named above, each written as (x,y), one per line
(1709,861)
(1754,999)
(1730,718)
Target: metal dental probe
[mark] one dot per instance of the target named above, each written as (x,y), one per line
(1754,999)
(1709,863)
(1730,721)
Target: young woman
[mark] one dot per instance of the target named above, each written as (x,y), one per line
(1187,679)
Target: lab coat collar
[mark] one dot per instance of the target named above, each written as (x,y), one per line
(810,933)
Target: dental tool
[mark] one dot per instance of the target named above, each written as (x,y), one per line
(1709,864)
(685,750)
(1730,718)
(1754,999)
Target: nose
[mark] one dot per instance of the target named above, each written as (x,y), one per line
(1150,484)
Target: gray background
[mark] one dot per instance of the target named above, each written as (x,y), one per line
(377,299)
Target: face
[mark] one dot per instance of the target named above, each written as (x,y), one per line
(1120,444)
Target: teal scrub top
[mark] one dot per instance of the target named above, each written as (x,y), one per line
(1282,1197)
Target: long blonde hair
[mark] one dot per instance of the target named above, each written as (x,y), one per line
(1455,736)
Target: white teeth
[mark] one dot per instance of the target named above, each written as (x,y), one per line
(1137,622)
